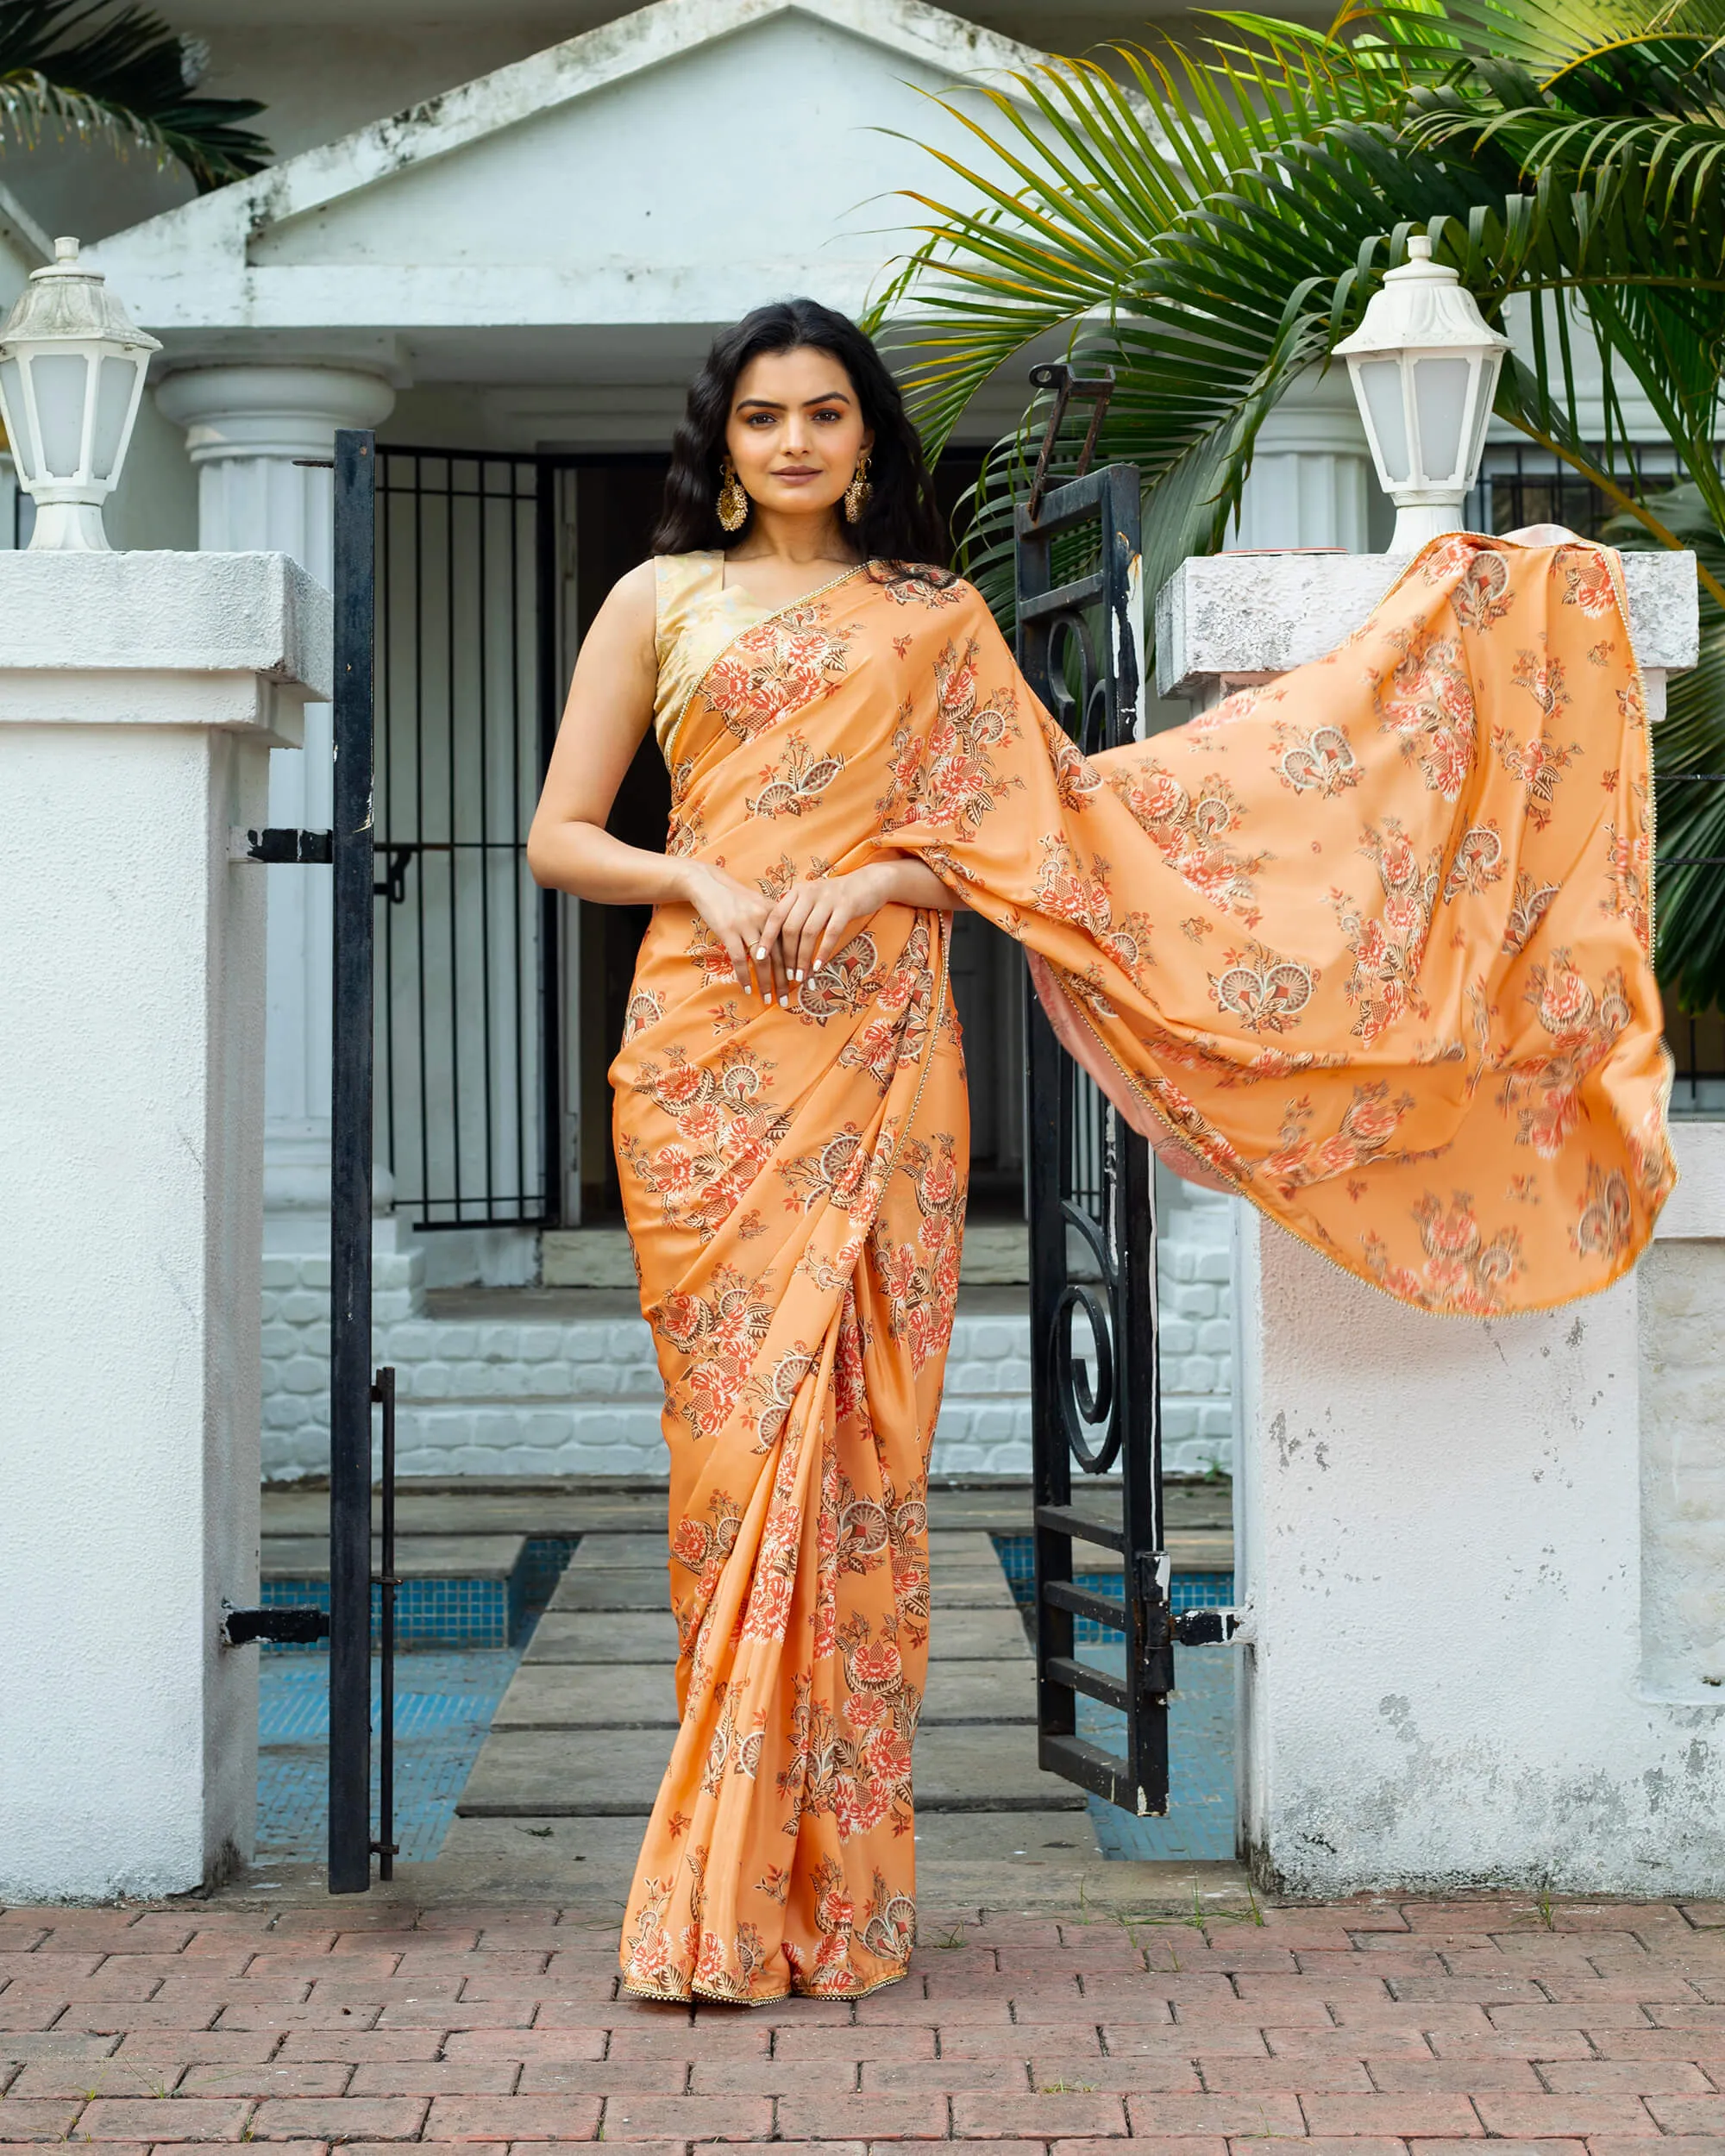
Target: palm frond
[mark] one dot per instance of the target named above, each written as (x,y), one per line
(120,74)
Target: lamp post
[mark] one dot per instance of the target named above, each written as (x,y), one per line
(71,373)
(1425,364)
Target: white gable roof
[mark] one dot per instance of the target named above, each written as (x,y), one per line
(673,167)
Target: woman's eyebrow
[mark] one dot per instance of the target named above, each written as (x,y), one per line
(772,404)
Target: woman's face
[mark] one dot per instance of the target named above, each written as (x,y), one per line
(795,431)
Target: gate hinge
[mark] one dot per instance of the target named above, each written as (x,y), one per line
(282,1627)
(280,844)
(1210,1627)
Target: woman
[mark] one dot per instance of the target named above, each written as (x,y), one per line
(1369,945)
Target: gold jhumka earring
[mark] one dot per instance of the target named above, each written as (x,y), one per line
(733,500)
(857,494)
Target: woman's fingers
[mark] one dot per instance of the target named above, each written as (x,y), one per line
(780,935)
(736,950)
(822,932)
(791,928)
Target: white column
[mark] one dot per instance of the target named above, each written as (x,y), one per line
(1311,471)
(1443,1526)
(140,697)
(246,428)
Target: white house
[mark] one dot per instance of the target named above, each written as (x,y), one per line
(512,281)
(505,244)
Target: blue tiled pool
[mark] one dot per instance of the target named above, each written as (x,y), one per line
(443,1706)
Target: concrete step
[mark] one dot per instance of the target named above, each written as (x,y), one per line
(588,1695)
(533,1380)
(416,1557)
(616,1773)
(597,1696)
(561,1773)
(989,1635)
(571,1505)
(994,1252)
(611,1588)
(637,1636)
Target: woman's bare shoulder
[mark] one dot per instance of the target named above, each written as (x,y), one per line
(629,612)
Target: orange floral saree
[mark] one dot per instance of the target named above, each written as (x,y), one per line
(1371,944)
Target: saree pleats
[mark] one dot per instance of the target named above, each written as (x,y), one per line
(1369,944)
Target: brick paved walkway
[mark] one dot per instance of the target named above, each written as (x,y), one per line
(1357,2027)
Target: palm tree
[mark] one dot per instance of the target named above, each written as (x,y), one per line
(1211,222)
(119,74)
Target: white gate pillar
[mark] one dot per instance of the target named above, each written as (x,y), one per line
(1467,1556)
(247,429)
(140,697)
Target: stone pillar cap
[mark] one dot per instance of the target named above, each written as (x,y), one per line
(1255,614)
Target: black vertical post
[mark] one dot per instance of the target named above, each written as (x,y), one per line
(383,1392)
(350,1192)
(549,541)
(1049,1104)
(1092,1211)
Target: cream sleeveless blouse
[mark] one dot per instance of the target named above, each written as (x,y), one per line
(696,615)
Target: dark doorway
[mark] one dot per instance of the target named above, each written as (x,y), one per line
(615,505)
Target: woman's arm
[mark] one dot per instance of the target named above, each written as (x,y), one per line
(609,710)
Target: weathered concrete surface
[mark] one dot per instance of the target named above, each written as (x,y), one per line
(963,1768)
(586,1729)
(620,1589)
(576,1695)
(1240,615)
(551,1773)
(637,1635)
(1482,1578)
(583,1696)
(416,1557)
(979,1692)
(972,1635)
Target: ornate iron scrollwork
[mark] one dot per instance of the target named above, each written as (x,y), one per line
(1093,1258)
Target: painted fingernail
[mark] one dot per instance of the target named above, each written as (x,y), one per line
(762,953)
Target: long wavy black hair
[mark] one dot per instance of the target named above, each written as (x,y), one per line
(901,522)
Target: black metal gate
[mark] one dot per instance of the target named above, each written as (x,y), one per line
(1092,1211)
(468,1109)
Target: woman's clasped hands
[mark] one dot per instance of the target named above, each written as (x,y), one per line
(774,944)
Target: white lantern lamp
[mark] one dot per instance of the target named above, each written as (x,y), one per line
(1425,364)
(72,373)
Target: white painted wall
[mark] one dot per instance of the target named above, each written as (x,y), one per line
(138,697)
(1482,1558)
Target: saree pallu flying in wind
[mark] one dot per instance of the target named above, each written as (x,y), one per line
(1369,944)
